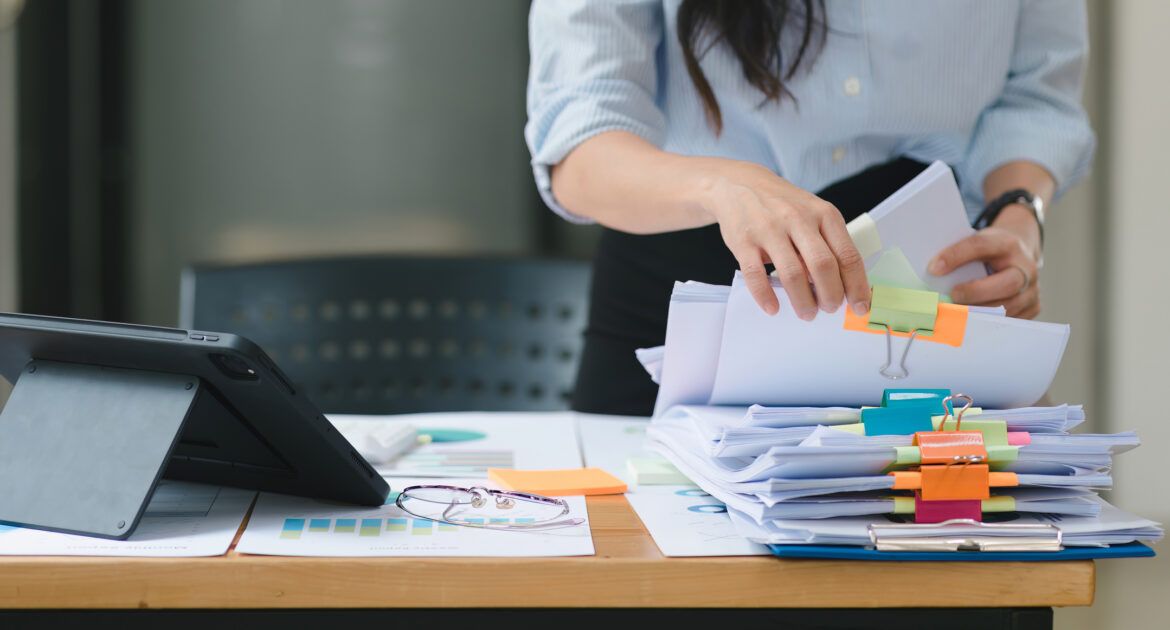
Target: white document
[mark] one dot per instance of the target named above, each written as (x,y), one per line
(693,341)
(182,520)
(783,360)
(911,226)
(283,525)
(525,441)
(608,442)
(686,521)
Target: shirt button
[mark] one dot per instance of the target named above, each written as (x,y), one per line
(838,154)
(852,86)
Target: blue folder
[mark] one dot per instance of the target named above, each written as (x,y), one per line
(844,552)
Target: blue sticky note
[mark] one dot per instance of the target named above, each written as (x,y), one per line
(896,420)
(915,398)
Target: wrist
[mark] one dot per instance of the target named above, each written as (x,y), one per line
(711,181)
(1021,221)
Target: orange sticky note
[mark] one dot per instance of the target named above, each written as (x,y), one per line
(558,483)
(949,327)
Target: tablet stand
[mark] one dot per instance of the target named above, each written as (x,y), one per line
(82,447)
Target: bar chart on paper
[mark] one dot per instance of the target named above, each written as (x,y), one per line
(686,521)
(298,526)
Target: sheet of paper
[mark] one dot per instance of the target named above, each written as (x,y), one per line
(283,525)
(686,521)
(530,441)
(182,520)
(692,344)
(921,219)
(783,360)
(608,442)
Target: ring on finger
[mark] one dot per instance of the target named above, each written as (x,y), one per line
(1027,278)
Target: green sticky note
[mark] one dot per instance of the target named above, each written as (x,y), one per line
(994,431)
(999,504)
(907,455)
(1002,453)
(654,471)
(903,505)
(903,310)
(894,269)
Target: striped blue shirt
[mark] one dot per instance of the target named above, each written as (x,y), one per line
(974,83)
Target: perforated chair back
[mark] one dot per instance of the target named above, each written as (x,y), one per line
(398,335)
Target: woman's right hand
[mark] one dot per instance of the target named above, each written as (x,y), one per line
(766,219)
(624,182)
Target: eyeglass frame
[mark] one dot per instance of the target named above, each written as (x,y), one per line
(504,500)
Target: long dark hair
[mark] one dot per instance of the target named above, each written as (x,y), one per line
(751,28)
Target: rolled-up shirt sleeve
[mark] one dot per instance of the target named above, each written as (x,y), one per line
(594,68)
(1038,117)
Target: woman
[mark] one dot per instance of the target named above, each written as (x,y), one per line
(696,132)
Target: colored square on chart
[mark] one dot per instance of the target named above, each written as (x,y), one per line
(396,524)
(292,528)
(371,527)
(319,525)
(345,526)
(421,527)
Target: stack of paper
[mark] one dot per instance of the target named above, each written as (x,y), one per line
(833,482)
(722,349)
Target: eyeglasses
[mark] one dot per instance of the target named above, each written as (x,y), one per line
(469,507)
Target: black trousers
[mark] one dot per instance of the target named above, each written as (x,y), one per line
(632,280)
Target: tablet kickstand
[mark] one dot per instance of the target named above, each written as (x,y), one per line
(82,447)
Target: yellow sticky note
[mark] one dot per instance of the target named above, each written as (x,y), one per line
(558,483)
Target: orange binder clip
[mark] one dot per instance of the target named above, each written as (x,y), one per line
(944,483)
(951,447)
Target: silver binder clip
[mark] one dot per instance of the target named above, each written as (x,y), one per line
(884,370)
(990,537)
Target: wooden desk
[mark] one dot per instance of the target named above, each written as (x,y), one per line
(627,571)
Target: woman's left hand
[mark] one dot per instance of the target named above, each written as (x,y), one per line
(1010,247)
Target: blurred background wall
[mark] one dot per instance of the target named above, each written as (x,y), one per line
(156,134)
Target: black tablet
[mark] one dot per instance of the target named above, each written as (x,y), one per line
(99,412)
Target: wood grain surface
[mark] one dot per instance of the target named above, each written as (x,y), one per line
(627,571)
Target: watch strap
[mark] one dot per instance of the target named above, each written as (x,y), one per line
(1016,196)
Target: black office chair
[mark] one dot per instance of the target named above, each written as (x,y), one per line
(398,335)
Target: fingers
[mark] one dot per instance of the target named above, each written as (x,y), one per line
(756,279)
(793,276)
(822,266)
(849,261)
(979,246)
(994,289)
(1026,305)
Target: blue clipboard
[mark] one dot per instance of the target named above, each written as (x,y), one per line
(843,552)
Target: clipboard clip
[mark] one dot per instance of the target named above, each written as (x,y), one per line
(993,537)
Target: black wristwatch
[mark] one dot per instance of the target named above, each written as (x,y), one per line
(1020,196)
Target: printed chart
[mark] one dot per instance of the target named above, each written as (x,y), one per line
(453,461)
(686,521)
(297,526)
(467,444)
